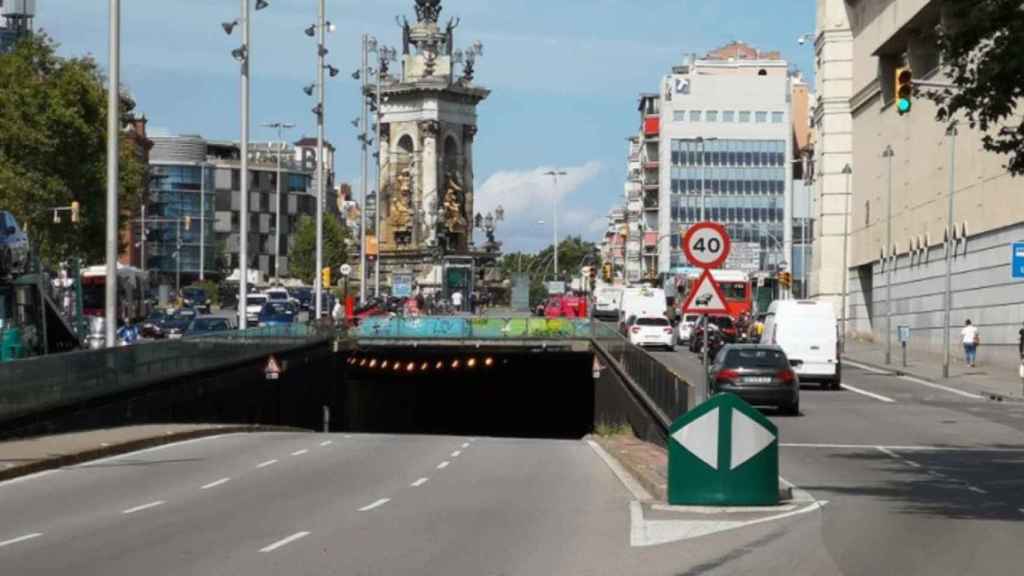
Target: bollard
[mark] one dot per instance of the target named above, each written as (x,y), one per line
(327,419)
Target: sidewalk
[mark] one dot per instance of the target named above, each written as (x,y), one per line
(26,456)
(998,379)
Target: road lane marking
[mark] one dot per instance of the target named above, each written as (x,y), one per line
(419,482)
(912,463)
(327,443)
(35,476)
(284,541)
(867,368)
(267,463)
(456,453)
(215,483)
(941,387)
(443,465)
(376,504)
(465,445)
(635,488)
(977,490)
(117,457)
(144,507)
(20,539)
(1021,510)
(868,394)
(889,453)
(980,449)
(300,452)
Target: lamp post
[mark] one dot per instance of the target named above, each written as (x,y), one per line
(243,55)
(113,171)
(384,56)
(364,139)
(280,127)
(888,154)
(848,172)
(555,174)
(951,132)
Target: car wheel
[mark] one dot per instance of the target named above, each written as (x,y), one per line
(671,348)
(792,409)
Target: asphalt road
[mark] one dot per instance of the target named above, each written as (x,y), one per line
(918,480)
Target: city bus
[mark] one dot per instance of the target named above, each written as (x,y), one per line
(131,293)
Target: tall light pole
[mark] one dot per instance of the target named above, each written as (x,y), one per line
(888,154)
(280,127)
(848,172)
(202,220)
(113,170)
(243,55)
(364,138)
(555,174)
(948,300)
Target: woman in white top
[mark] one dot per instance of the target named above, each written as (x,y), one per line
(970,338)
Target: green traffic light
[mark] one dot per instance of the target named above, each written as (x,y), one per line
(903,105)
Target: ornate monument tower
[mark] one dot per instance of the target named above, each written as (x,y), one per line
(428,124)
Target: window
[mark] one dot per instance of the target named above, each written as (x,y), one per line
(761,117)
(777,117)
(745,117)
(711,116)
(694,115)
(679,115)
(728,116)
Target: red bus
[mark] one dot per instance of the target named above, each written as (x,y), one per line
(131,293)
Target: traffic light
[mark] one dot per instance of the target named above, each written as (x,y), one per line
(188,222)
(75,209)
(607,272)
(325,277)
(904,87)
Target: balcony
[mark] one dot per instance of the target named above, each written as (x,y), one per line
(651,165)
(652,126)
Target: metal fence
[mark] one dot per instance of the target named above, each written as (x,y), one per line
(47,382)
(466,328)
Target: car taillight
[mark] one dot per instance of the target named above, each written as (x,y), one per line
(785,376)
(668,330)
(635,330)
(727,374)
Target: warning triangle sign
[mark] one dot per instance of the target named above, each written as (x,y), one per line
(706,297)
(272,366)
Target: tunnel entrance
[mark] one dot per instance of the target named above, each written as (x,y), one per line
(519,393)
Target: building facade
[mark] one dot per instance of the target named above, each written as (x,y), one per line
(195,205)
(901,226)
(16,18)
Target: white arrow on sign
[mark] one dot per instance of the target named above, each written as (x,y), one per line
(700,438)
(706,297)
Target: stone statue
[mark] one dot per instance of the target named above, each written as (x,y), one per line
(428,10)
(400,212)
(454,217)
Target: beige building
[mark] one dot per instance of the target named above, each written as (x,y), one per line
(902,233)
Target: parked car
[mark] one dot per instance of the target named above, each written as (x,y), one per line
(153,325)
(304,297)
(720,323)
(275,314)
(809,333)
(175,326)
(14,248)
(206,325)
(759,374)
(651,331)
(253,306)
(685,327)
(194,297)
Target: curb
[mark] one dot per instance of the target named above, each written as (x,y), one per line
(898,371)
(133,446)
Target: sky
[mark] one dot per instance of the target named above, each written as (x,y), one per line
(564,75)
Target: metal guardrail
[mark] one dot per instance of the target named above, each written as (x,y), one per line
(472,328)
(47,382)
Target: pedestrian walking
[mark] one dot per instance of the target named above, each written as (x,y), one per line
(457,300)
(970,337)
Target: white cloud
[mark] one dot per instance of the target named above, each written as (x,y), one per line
(528,197)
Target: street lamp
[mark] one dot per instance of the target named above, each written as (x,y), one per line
(280,127)
(888,154)
(385,55)
(951,132)
(555,174)
(244,56)
(113,171)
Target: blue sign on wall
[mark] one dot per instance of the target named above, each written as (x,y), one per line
(1018,259)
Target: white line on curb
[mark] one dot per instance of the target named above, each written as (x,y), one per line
(20,539)
(215,483)
(419,482)
(889,453)
(327,442)
(376,504)
(267,463)
(465,445)
(977,490)
(941,387)
(868,394)
(300,452)
(144,507)
(456,453)
(443,465)
(285,541)
(627,479)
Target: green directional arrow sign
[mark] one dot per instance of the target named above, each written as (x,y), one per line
(723,453)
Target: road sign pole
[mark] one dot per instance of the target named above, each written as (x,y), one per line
(707,377)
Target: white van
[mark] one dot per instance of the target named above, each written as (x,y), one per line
(607,302)
(808,333)
(642,301)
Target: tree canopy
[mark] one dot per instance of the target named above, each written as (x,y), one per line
(980,45)
(573,255)
(53,129)
(302,255)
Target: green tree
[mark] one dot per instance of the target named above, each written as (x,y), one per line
(980,45)
(302,256)
(573,255)
(53,128)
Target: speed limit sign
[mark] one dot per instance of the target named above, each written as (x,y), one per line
(707,245)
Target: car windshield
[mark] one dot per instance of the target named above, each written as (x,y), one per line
(652,322)
(277,296)
(755,358)
(274,309)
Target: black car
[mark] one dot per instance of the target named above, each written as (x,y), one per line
(304,296)
(761,375)
(14,250)
(176,326)
(196,298)
(153,325)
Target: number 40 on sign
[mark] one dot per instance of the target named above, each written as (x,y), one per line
(707,245)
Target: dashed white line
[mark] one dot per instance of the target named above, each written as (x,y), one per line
(868,394)
(888,452)
(284,541)
(376,504)
(300,452)
(144,507)
(419,482)
(941,387)
(912,463)
(977,490)
(267,463)
(327,442)
(20,539)
(215,483)
(456,453)
(465,445)
(443,465)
